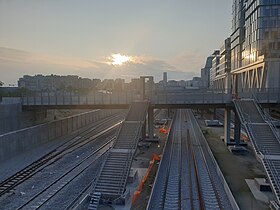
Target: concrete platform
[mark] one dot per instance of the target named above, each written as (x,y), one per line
(262,184)
(259,195)
(236,168)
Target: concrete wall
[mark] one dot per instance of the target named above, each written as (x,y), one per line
(14,143)
(9,117)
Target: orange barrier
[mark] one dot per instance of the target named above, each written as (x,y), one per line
(137,193)
(162,130)
(244,137)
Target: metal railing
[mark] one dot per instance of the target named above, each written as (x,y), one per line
(264,95)
(191,98)
(269,95)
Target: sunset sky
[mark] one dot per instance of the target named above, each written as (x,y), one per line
(81,37)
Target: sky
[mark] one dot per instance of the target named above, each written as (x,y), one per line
(79,37)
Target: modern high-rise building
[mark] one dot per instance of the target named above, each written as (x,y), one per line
(220,73)
(205,72)
(214,69)
(238,33)
(255,44)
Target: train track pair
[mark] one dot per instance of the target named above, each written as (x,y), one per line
(74,143)
(184,180)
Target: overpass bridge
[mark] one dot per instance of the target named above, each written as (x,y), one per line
(158,99)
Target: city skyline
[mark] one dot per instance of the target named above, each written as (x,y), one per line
(81,37)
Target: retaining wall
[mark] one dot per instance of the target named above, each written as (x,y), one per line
(9,117)
(16,142)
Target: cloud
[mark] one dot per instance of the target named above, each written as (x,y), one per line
(14,55)
(189,61)
(16,63)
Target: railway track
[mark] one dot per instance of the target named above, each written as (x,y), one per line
(73,144)
(50,191)
(209,197)
(185,179)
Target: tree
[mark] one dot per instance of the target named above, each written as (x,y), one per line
(1,83)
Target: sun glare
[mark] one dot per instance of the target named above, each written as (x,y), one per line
(118,59)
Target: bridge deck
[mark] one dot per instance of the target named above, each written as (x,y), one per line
(121,100)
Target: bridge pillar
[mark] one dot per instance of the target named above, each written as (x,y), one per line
(144,131)
(214,113)
(201,112)
(237,129)
(151,122)
(227,126)
(169,112)
(142,79)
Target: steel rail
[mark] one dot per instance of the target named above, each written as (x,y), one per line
(199,171)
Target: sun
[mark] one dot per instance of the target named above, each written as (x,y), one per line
(118,59)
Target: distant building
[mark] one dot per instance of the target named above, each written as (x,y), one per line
(195,82)
(55,82)
(215,68)
(135,85)
(221,73)
(165,78)
(119,84)
(205,72)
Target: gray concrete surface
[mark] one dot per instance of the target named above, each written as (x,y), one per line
(9,117)
(236,168)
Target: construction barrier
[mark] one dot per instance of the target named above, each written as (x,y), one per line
(137,193)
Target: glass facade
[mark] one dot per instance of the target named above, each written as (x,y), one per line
(238,33)
(225,62)
(215,68)
(255,31)
(262,31)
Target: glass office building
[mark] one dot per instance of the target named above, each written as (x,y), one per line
(262,30)
(255,43)
(238,33)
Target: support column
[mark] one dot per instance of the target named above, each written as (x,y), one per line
(227,126)
(237,129)
(214,114)
(144,131)
(201,113)
(151,82)
(142,79)
(151,122)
